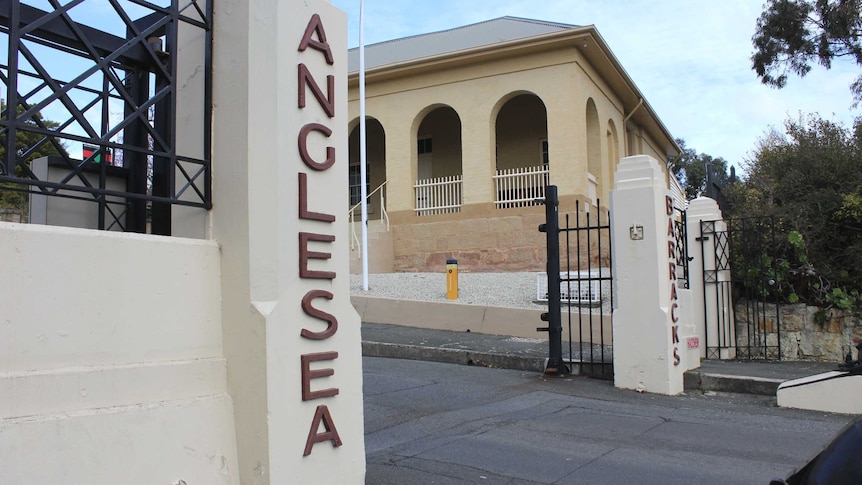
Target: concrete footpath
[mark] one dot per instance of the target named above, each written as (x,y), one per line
(469,348)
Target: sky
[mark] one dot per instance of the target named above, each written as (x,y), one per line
(689,58)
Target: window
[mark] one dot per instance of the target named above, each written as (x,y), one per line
(354,177)
(545,157)
(424,145)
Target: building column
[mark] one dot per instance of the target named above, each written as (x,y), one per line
(478,159)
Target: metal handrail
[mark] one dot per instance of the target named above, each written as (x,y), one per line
(384,216)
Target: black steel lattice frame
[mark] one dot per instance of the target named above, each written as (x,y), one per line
(120,61)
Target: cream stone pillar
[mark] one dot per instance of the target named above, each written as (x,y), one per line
(699,210)
(400,174)
(567,146)
(291,336)
(478,162)
(647,348)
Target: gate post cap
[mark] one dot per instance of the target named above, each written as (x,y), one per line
(451,261)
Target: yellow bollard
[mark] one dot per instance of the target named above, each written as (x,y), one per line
(452,279)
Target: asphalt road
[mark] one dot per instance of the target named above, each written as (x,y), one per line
(431,423)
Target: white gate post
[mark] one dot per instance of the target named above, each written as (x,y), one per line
(291,336)
(699,210)
(648,351)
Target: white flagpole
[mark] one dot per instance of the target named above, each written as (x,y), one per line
(363,175)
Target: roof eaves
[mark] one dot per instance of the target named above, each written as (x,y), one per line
(575,31)
(612,58)
(558,25)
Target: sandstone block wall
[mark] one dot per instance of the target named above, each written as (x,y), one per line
(11,215)
(509,242)
(803,337)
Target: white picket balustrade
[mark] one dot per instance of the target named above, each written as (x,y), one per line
(439,195)
(520,187)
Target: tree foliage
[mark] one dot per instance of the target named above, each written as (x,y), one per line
(691,168)
(792,35)
(35,146)
(810,179)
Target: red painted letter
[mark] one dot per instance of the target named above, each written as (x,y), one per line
(315,25)
(332,323)
(307,80)
(303,147)
(304,213)
(321,415)
(305,255)
(308,375)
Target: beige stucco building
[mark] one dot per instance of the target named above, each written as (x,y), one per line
(465,127)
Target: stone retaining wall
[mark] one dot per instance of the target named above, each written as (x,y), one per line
(509,243)
(803,338)
(11,215)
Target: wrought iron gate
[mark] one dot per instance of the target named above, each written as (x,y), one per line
(584,286)
(739,277)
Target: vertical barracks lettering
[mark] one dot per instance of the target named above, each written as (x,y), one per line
(671,254)
(314,37)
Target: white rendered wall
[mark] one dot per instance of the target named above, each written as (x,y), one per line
(111,367)
(834,392)
(144,359)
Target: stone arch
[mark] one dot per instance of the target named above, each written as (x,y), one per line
(375,158)
(595,180)
(437,145)
(613,149)
(520,128)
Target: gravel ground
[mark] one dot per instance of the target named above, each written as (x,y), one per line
(507,290)
(511,290)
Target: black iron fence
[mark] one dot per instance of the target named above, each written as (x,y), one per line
(740,276)
(581,279)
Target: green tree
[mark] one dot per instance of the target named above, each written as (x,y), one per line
(691,168)
(25,142)
(792,35)
(810,179)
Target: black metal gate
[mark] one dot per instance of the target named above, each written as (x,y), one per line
(584,286)
(739,281)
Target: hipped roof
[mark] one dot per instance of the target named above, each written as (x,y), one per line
(461,44)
